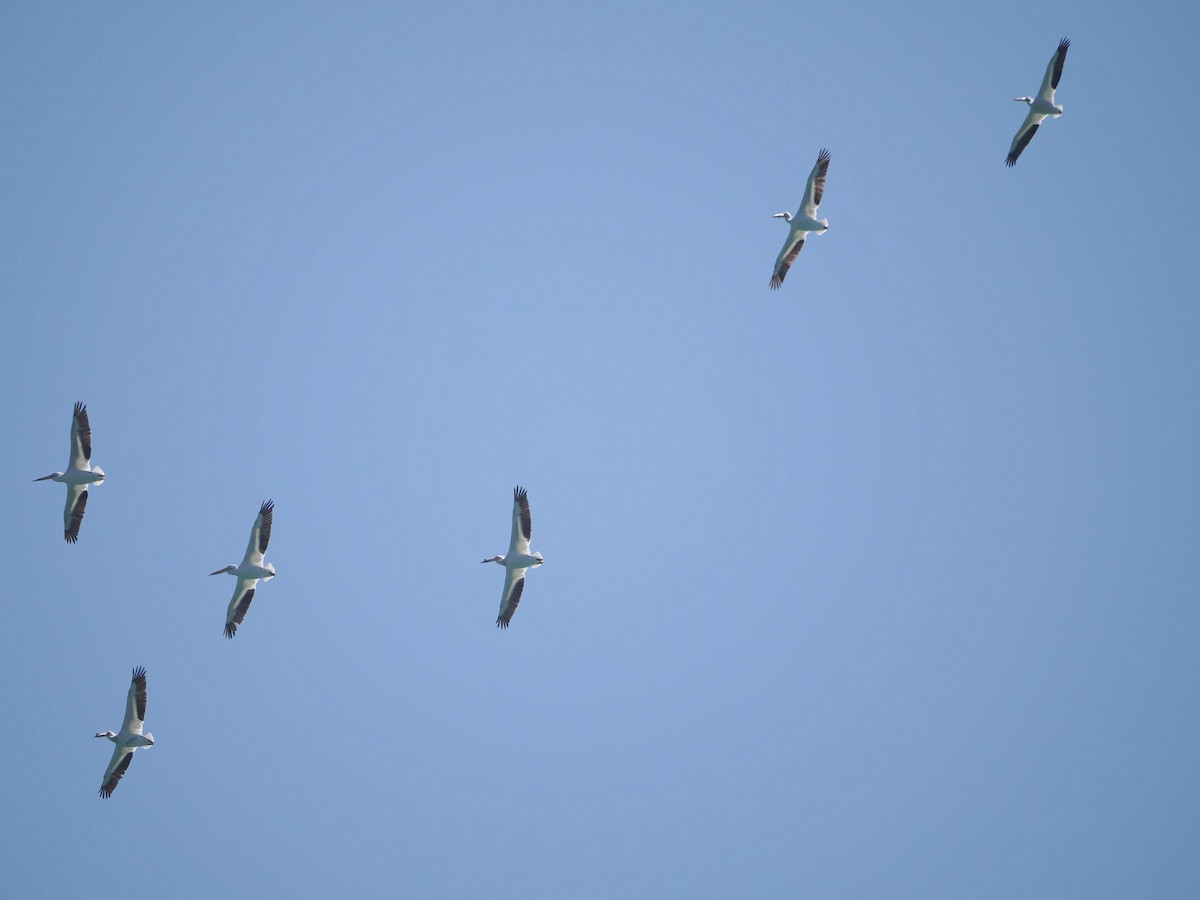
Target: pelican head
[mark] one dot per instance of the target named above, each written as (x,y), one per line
(107,734)
(149,739)
(229,569)
(495,559)
(53,476)
(1028,100)
(786,216)
(539,559)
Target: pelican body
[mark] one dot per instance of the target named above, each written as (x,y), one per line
(804,223)
(518,559)
(251,570)
(1040,107)
(130,737)
(80,474)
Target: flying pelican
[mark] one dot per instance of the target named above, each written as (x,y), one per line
(803,222)
(130,737)
(518,560)
(80,473)
(1042,107)
(251,569)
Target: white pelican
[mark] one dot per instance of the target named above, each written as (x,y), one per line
(803,222)
(80,473)
(130,737)
(251,569)
(1042,107)
(518,560)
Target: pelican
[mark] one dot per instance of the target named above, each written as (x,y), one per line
(251,569)
(80,473)
(804,221)
(518,559)
(130,737)
(1042,107)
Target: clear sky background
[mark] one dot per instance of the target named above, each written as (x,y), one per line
(882,585)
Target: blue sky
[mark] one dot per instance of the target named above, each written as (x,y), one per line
(882,585)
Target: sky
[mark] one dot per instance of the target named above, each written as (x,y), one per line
(880,585)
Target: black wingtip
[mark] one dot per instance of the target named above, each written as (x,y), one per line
(230,630)
(139,673)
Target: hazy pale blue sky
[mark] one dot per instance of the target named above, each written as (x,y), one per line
(882,585)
